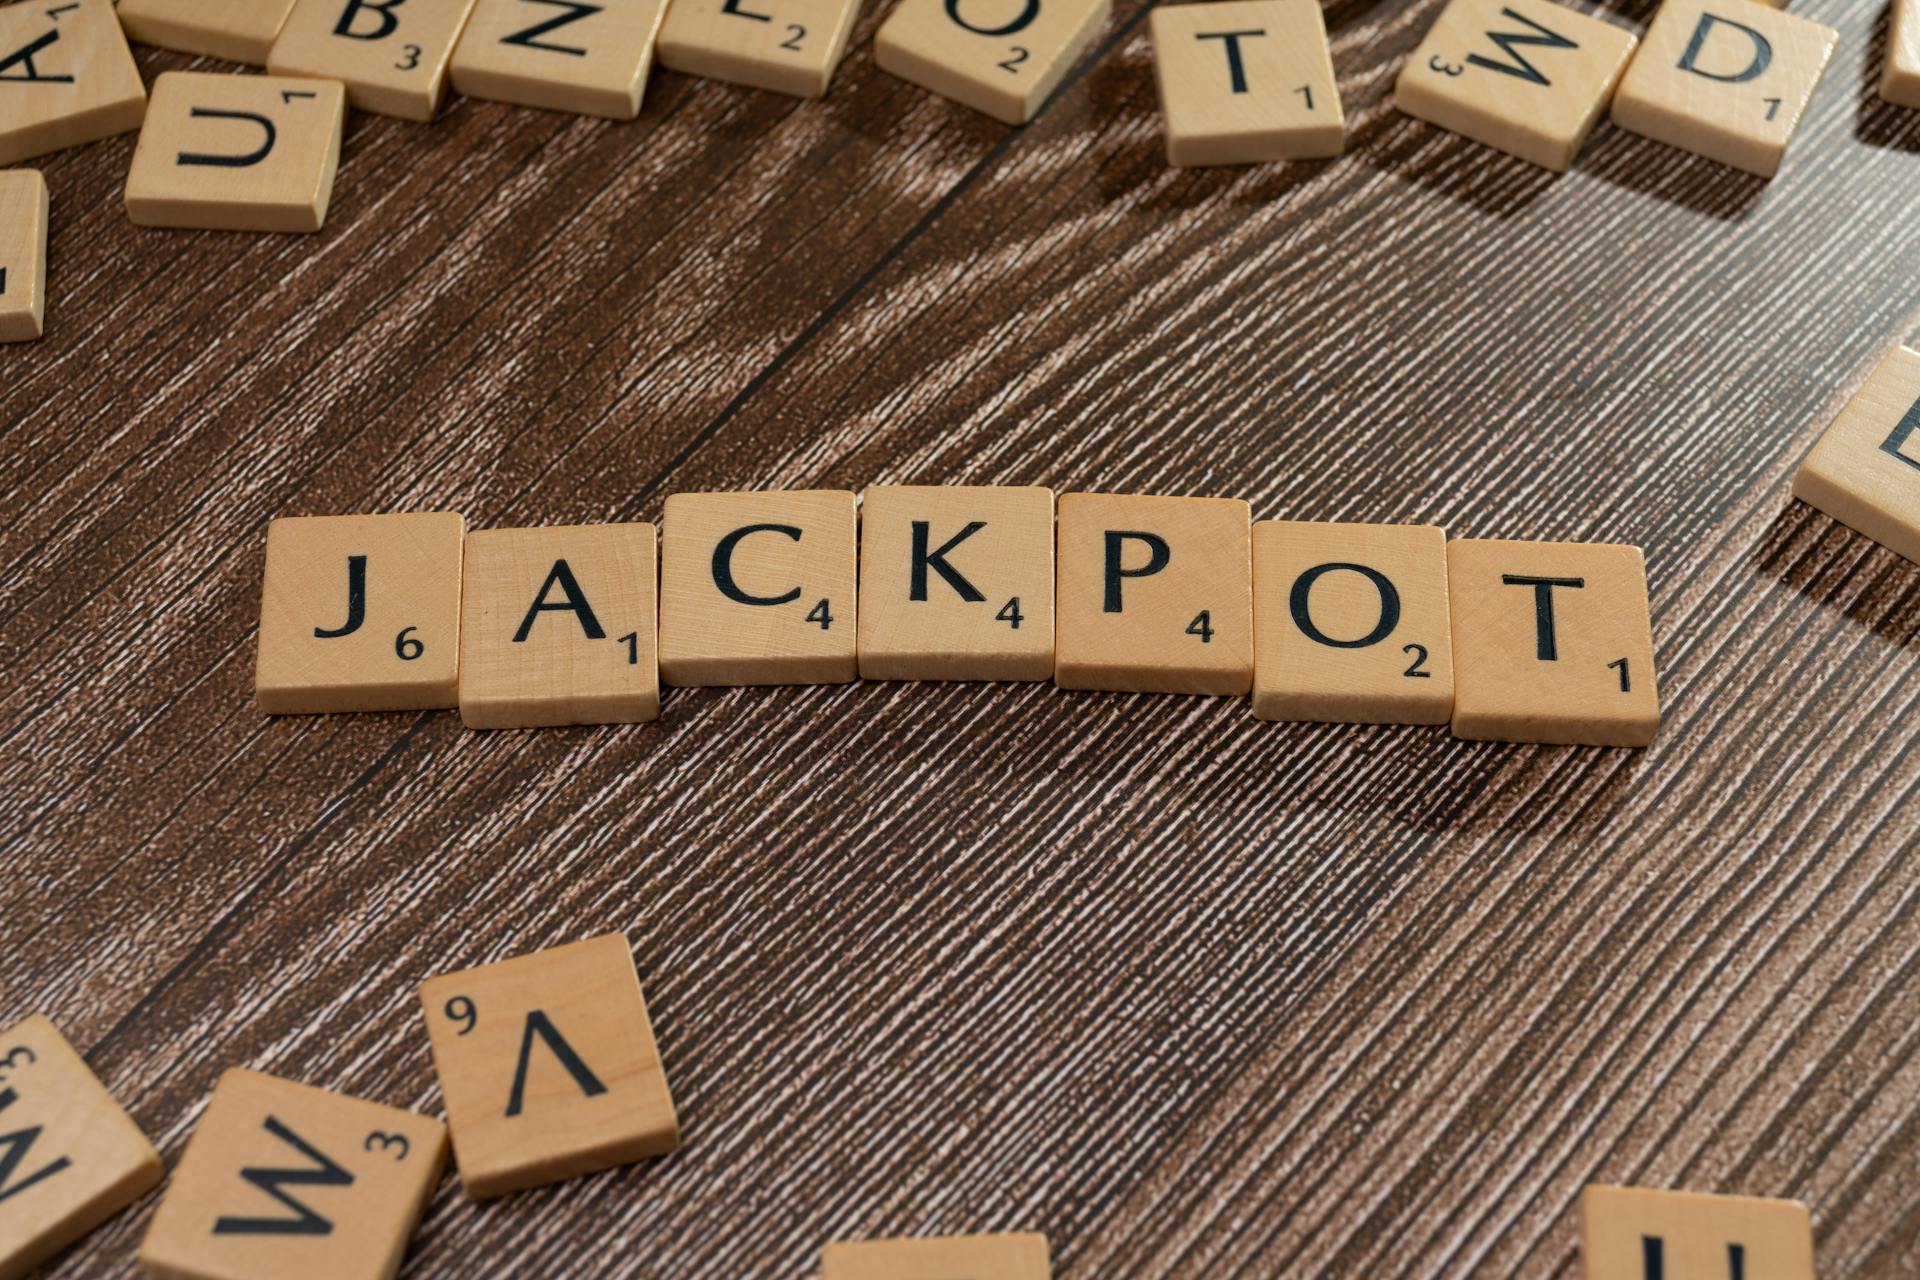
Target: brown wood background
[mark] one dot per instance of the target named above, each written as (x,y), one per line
(1192,994)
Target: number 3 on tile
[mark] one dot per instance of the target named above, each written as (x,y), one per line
(1202,626)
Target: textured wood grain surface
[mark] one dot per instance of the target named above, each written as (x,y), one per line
(1193,994)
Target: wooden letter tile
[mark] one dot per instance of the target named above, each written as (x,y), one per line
(361,613)
(1627,1233)
(392,54)
(1865,472)
(237,30)
(956,583)
(758,588)
(23,255)
(286,1182)
(69,77)
(1351,623)
(1246,81)
(548,1067)
(1156,594)
(1010,1256)
(1528,77)
(591,59)
(1726,79)
(1002,57)
(1900,77)
(1552,642)
(70,1158)
(557,627)
(237,153)
(790,46)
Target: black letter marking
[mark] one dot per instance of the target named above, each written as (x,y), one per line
(1028,13)
(1902,432)
(1299,602)
(530,38)
(1762,52)
(1653,1258)
(937,560)
(1158,554)
(383,14)
(1543,608)
(723,565)
(1236,68)
(356,600)
(537,1022)
(245,160)
(576,604)
(733,7)
(1508,40)
(273,1182)
(24,57)
(13,1149)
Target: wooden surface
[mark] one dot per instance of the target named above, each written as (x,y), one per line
(1193,994)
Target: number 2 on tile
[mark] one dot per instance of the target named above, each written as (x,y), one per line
(795,34)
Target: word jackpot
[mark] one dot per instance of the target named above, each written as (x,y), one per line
(1356,623)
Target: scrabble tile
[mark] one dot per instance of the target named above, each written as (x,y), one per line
(70,1158)
(996,1257)
(237,30)
(1552,642)
(557,627)
(990,55)
(23,255)
(1900,76)
(591,59)
(1631,1234)
(1528,77)
(956,583)
(237,153)
(758,588)
(1726,79)
(361,613)
(69,76)
(1865,472)
(1155,594)
(1351,623)
(1246,81)
(790,46)
(392,56)
(548,1067)
(286,1182)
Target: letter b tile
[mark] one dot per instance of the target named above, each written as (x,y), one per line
(1552,642)
(1630,1233)
(548,1066)
(392,55)
(237,153)
(1865,472)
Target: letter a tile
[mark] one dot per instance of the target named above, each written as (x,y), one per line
(1726,79)
(789,46)
(1900,77)
(392,54)
(557,627)
(69,77)
(23,255)
(70,1158)
(286,1182)
(758,588)
(237,30)
(1155,594)
(564,55)
(1627,1233)
(956,583)
(1246,81)
(361,613)
(1865,472)
(1351,623)
(237,153)
(1552,642)
(1002,57)
(1527,77)
(548,1067)
(1010,1256)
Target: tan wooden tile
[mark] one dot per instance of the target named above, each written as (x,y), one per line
(991,55)
(69,77)
(1900,75)
(1865,471)
(237,30)
(1008,1256)
(361,613)
(956,583)
(23,255)
(391,54)
(70,1158)
(1726,79)
(548,1067)
(1351,623)
(758,588)
(1246,81)
(1552,642)
(286,1182)
(1155,594)
(1627,1233)
(591,59)
(557,627)
(237,153)
(789,46)
(1528,77)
